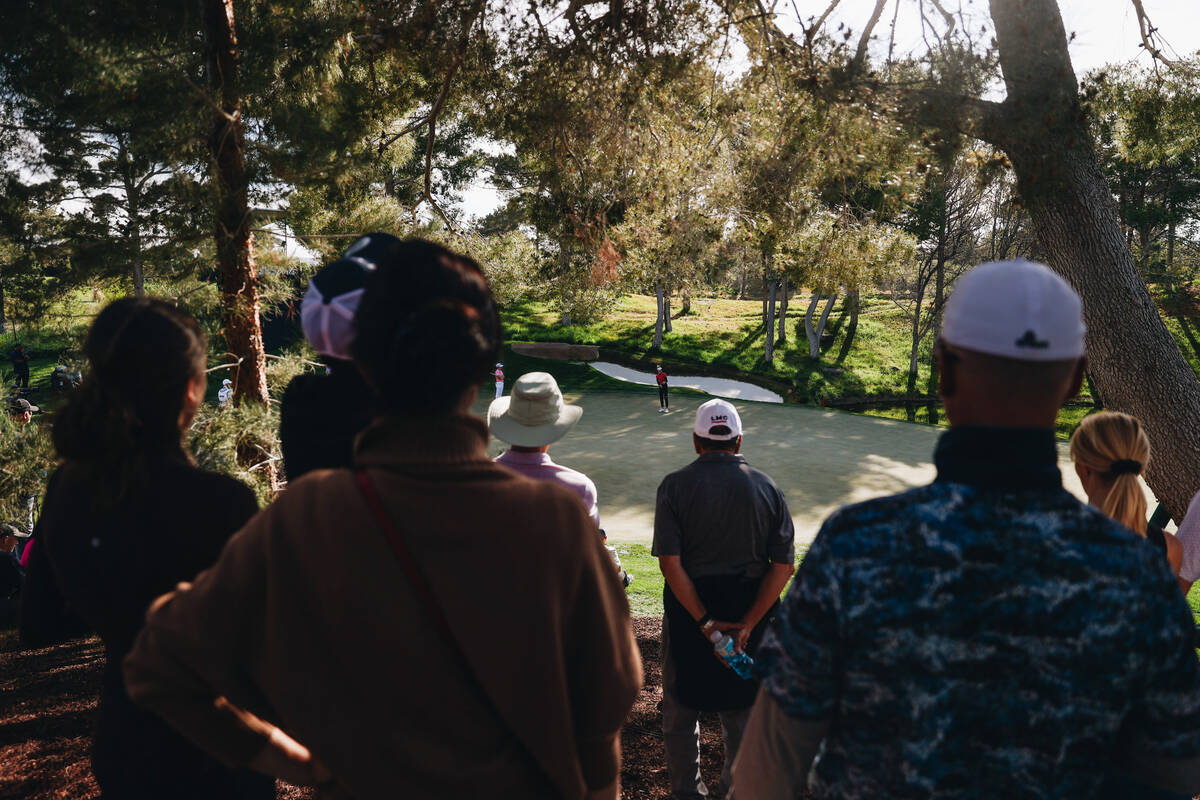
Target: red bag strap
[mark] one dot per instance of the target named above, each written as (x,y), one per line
(416,578)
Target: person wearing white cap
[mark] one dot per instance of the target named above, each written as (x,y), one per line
(987,634)
(498,374)
(225,393)
(660,377)
(724,541)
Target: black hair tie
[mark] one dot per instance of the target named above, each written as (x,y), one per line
(1125,466)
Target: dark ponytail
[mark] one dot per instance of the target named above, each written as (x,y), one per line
(427,328)
(141,353)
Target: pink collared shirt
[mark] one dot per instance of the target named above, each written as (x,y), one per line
(539,467)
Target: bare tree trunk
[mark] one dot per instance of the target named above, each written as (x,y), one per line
(766,282)
(235,262)
(769,351)
(1134,360)
(133,225)
(658,319)
(741,295)
(564,261)
(666,313)
(3,317)
(814,341)
(852,302)
(824,321)
(686,294)
(783,303)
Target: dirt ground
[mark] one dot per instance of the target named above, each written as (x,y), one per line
(48,703)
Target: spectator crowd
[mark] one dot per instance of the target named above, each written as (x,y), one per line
(410,616)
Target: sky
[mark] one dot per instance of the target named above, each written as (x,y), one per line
(1106,32)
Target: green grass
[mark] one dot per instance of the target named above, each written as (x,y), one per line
(724,338)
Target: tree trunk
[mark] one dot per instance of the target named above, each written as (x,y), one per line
(666,312)
(658,319)
(766,281)
(783,303)
(3,318)
(769,351)
(1134,360)
(824,321)
(235,261)
(853,302)
(915,342)
(814,340)
(742,284)
(564,261)
(686,294)
(133,226)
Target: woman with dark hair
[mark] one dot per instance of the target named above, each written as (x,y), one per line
(126,517)
(433,654)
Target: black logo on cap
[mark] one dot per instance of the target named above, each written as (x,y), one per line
(1030,340)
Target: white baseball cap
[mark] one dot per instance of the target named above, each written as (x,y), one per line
(1015,309)
(717,414)
(227,382)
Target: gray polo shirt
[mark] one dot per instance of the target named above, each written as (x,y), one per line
(723,517)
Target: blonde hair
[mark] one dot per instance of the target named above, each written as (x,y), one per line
(1115,446)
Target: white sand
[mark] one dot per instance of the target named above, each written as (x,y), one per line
(721,387)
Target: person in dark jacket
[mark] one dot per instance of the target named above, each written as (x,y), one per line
(320,415)
(127,516)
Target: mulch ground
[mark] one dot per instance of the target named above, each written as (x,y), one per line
(48,703)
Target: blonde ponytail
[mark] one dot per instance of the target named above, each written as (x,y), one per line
(1115,446)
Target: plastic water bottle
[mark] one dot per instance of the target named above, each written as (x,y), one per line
(737,660)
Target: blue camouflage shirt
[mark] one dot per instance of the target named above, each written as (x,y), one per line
(987,635)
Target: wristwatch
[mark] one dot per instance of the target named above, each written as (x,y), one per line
(707,623)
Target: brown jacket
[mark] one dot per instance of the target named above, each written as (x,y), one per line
(308,622)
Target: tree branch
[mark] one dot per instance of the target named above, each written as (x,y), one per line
(860,54)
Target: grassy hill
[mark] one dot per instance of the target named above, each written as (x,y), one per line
(726,337)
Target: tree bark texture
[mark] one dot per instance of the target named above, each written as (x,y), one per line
(814,341)
(666,313)
(658,319)
(781,339)
(769,347)
(824,321)
(1135,362)
(235,262)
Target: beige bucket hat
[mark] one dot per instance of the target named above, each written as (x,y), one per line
(534,414)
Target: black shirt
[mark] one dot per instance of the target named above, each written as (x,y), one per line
(106,567)
(319,418)
(723,517)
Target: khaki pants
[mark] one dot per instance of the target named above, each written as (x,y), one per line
(681,734)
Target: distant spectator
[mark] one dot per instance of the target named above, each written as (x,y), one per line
(664,403)
(20,362)
(21,410)
(498,374)
(12,574)
(225,393)
(1188,535)
(125,518)
(724,541)
(321,414)
(532,418)
(470,639)
(1110,451)
(987,635)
